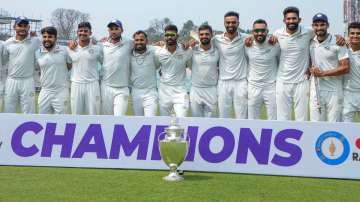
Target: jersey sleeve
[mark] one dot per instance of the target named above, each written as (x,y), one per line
(342,53)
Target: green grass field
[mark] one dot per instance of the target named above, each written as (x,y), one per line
(70,184)
(75,184)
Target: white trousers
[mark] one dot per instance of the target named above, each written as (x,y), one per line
(22,89)
(233,95)
(331,104)
(292,93)
(114,100)
(173,98)
(262,95)
(54,101)
(2,92)
(351,105)
(203,101)
(85,98)
(144,101)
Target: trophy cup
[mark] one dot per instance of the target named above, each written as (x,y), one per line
(173,149)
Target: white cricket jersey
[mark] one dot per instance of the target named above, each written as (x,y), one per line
(116,66)
(173,65)
(352,80)
(326,56)
(85,63)
(263,63)
(143,69)
(295,54)
(53,66)
(204,67)
(2,65)
(20,56)
(233,63)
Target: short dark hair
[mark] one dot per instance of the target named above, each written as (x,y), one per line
(205,27)
(84,24)
(171,27)
(139,32)
(291,9)
(259,21)
(232,13)
(354,25)
(49,30)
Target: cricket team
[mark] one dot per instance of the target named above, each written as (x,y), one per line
(308,70)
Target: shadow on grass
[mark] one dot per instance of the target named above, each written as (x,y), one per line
(195,177)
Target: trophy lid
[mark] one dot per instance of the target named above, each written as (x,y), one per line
(174,127)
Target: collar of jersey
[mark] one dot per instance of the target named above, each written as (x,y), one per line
(327,40)
(147,52)
(44,50)
(235,39)
(17,41)
(298,32)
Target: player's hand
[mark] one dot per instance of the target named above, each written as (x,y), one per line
(340,41)
(307,74)
(192,43)
(33,34)
(273,40)
(104,39)
(159,43)
(316,71)
(72,44)
(249,41)
(93,41)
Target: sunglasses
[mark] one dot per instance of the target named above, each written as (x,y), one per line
(260,30)
(170,34)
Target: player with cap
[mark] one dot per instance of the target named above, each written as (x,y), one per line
(115,71)
(86,59)
(54,63)
(329,63)
(292,84)
(352,80)
(232,84)
(19,54)
(204,75)
(173,61)
(263,65)
(143,67)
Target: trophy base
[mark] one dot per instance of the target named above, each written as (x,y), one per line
(173,177)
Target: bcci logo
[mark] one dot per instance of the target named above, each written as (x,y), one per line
(332,148)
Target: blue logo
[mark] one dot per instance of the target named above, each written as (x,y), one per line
(326,158)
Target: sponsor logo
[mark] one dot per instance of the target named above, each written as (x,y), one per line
(332,148)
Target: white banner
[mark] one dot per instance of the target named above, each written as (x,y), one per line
(330,150)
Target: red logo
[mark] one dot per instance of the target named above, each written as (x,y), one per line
(358,143)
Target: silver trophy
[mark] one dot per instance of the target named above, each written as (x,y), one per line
(173,149)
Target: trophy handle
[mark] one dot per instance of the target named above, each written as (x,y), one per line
(158,138)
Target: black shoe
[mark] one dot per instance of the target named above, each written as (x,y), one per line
(181,172)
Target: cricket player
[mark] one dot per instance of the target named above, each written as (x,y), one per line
(86,58)
(19,54)
(54,63)
(173,60)
(263,61)
(329,63)
(352,80)
(204,75)
(143,67)
(232,84)
(115,71)
(2,75)
(292,85)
